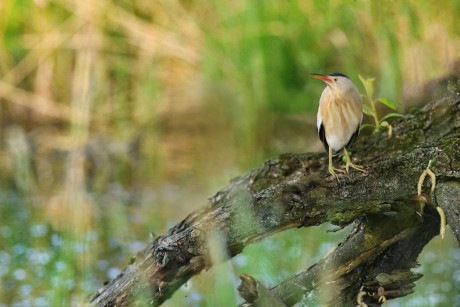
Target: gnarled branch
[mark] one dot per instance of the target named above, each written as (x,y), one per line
(295,190)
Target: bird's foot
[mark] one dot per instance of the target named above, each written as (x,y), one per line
(442,215)
(333,171)
(349,164)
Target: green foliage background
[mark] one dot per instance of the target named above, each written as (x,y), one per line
(118,118)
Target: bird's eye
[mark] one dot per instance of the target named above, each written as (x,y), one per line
(335,79)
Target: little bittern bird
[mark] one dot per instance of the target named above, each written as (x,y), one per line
(339,117)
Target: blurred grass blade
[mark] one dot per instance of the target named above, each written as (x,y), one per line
(224,277)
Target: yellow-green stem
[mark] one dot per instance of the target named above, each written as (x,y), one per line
(374,113)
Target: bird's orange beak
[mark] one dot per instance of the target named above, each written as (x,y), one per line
(325,78)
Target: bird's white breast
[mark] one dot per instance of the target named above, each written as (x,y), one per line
(340,114)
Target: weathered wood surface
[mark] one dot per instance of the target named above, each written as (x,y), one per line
(295,190)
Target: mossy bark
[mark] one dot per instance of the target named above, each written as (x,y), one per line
(295,190)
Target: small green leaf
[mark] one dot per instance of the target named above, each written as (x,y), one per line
(366,126)
(391,115)
(368,86)
(388,102)
(362,80)
(384,123)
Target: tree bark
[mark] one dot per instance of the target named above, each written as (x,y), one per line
(295,190)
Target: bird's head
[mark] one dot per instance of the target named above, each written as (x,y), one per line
(336,81)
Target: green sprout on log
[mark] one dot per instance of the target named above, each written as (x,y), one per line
(369,107)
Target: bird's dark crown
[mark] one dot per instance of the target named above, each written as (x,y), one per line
(337,74)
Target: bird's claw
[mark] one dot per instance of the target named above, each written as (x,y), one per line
(349,164)
(442,216)
(352,165)
(333,170)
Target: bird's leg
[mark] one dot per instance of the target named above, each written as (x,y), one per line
(442,215)
(351,164)
(331,168)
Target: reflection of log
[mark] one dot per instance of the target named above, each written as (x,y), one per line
(295,190)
